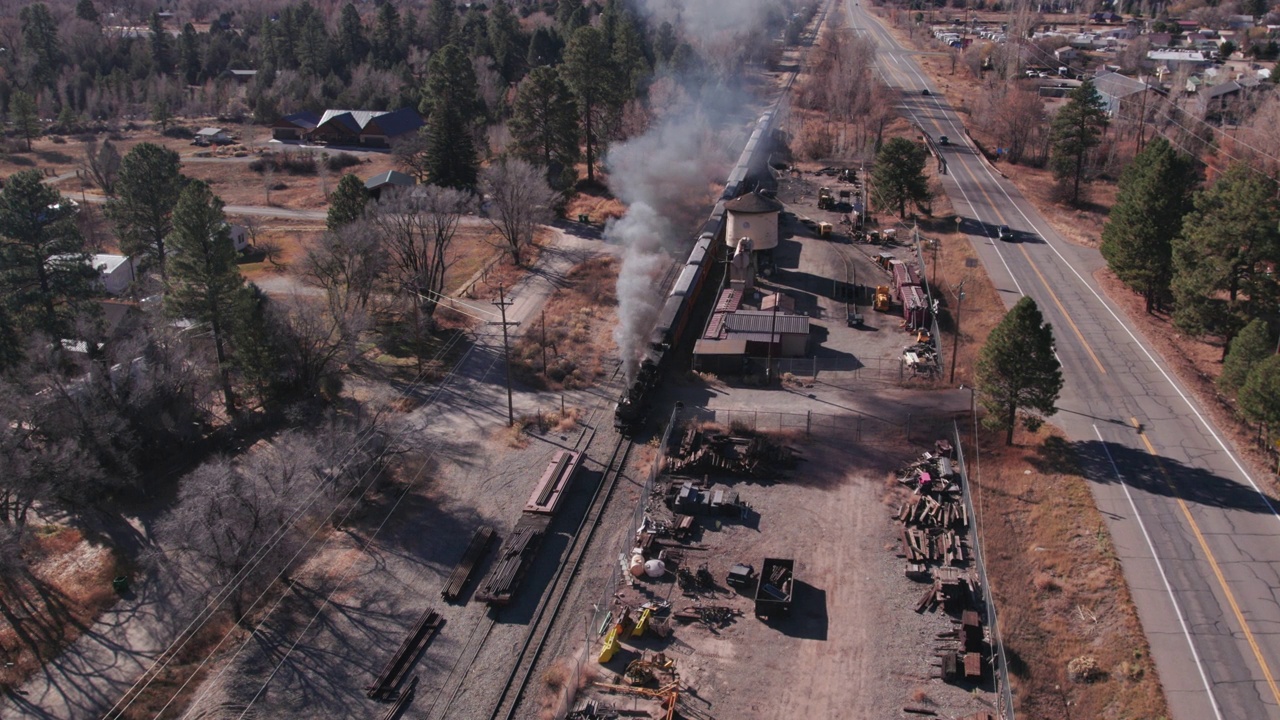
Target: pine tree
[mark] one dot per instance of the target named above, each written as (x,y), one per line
(204,284)
(589,73)
(1223,258)
(898,175)
(161,46)
(45,274)
(386,37)
(1076,131)
(40,39)
(544,120)
(26,120)
(147,190)
(346,204)
(506,42)
(86,11)
(442,23)
(353,48)
(1018,372)
(10,347)
(1155,193)
(1260,396)
(453,107)
(1250,347)
(545,48)
(189,54)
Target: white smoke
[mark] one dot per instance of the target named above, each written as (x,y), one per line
(653,174)
(706,18)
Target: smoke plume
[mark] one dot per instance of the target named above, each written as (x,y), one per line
(705,18)
(656,174)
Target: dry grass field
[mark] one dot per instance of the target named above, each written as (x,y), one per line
(576,336)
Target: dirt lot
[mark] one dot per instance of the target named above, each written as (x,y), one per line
(851,647)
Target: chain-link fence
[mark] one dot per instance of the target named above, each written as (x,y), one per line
(1000,664)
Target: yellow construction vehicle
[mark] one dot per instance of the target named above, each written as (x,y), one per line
(824,199)
(669,694)
(882,301)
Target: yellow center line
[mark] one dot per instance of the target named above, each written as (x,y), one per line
(1063,310)
(1217,571)
(1036,269)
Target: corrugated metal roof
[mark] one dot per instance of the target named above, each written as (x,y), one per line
(762,322)
(390,177)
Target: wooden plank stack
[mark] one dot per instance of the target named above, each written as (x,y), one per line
(470,560)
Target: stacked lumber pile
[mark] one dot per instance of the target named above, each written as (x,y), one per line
(699,453)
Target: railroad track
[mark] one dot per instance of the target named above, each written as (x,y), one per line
(544,619)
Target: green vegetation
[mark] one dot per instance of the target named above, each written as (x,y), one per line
(1077,130)
(898,176)
(1018,372)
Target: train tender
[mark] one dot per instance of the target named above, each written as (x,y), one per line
(678,306)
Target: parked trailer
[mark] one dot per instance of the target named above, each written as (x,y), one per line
(775,588)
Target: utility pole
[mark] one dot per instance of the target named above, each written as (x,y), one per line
(502,304)
(544,343)
(955,345)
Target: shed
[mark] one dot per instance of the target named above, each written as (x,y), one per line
(389,179)
(212,135)
(789,334)
(755,216)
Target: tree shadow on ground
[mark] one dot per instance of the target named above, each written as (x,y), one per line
(1167,477)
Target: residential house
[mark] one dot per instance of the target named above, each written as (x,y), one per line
(365,128)
(1066,54)
(1125,97)
(115,272)
(294,127)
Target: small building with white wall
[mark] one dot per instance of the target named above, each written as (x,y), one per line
(115,272)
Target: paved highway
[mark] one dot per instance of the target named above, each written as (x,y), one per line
(1198,538)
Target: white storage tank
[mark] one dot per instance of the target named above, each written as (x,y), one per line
(755,216)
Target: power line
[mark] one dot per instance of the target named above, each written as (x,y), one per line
(220,598)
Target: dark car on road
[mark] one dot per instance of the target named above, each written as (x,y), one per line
(1006,234)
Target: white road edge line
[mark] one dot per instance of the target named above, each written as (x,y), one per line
(1164,578)
(1123,325)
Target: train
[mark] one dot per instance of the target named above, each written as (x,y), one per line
(669,332)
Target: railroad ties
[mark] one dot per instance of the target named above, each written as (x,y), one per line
(384,687)
(467,566)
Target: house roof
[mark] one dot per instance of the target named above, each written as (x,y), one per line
(305,119)
(107,264)
(1221,89)
(1116,85)
(396,122)
(753,203)
(1177,55)
(390,177)
(351,120)
(243,73)
(209,132)
(759,322)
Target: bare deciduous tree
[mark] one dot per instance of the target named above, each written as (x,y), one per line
(346,264)
(410,152)
(102,164)
(417,226)
(519,199)
(316,340)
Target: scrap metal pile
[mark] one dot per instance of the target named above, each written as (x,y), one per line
(702,452)
(935,522)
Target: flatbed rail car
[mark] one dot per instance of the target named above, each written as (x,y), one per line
(514,557)
(554,484)
(466,567)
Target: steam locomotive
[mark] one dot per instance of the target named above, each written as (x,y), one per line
(677,309)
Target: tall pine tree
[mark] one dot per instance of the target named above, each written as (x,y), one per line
(442,22)
(453,108)
(1155,193)
(346,204)
(45,275)
(588,71)
(1250,347)
(1224,258)
(147,190)
(1076,131)
(1018,372)
(204,284)
(544,121)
